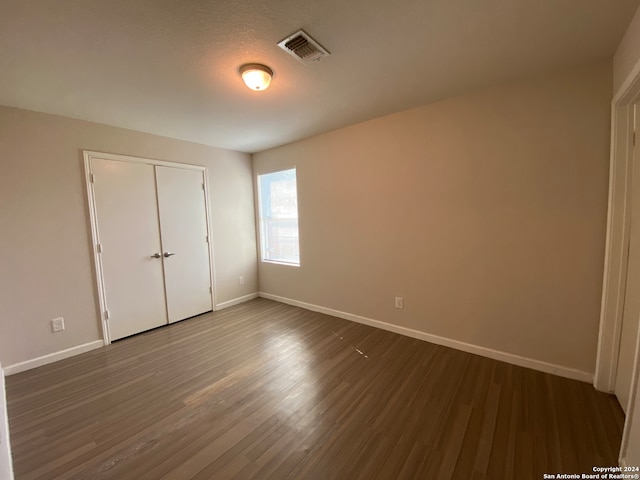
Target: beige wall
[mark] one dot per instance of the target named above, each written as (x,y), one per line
(628,53)
(46,267)
(485,212)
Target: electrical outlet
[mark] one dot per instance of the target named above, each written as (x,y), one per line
(399,302)
(57,324)
(240,280)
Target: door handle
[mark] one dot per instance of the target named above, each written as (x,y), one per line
(156,255)
(168,254)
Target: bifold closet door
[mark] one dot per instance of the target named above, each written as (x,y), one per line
(183,224)
(129,232)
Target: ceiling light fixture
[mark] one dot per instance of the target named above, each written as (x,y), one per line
(256,76)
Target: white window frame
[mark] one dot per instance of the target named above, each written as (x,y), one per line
(262,226)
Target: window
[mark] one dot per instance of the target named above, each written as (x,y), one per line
(278,203)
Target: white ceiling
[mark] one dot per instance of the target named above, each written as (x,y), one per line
(170,67)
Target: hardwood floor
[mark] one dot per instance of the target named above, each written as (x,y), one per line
(269,391)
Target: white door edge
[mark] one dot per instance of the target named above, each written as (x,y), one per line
(617,237)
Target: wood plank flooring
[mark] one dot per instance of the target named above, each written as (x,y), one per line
(269,391)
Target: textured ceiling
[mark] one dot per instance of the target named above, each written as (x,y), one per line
(170,67)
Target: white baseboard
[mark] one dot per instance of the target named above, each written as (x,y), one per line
(70,352)
(52,357)
(236,301)
(447,342)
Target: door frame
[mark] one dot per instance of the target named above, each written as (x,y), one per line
(617,245)
(95,237)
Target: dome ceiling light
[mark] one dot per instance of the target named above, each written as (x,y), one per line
(256,76)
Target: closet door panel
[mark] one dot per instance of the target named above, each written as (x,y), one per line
(183,221)
(129,232)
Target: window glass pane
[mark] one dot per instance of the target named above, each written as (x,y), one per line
(278,202)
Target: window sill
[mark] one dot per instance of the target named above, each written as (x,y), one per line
(277,262)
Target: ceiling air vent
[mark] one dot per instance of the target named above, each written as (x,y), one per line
(303,47)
